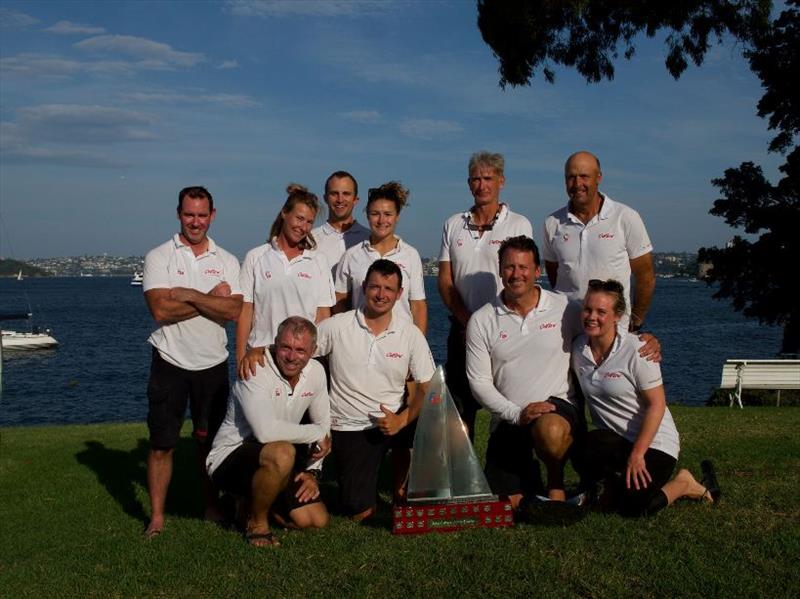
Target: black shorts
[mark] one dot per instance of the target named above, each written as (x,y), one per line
(358,456)
(170,389)
(511,464)
(235,475)
(607,459)
(455,369)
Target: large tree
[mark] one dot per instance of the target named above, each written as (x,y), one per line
(530,37)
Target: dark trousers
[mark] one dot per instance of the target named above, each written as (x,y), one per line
(455,370)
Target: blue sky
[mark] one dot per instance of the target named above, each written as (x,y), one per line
(107,109)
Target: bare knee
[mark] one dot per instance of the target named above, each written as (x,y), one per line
(277,456)
(552,436)
(310,516)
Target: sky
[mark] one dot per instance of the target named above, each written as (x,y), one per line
(108,109)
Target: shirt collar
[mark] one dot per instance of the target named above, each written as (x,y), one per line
(274,368)
(543,305)
(176,240)
(362,322)
(274,243)
(501,216)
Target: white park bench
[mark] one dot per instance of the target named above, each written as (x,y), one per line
(759,374)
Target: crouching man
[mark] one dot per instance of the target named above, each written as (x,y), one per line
(261,452)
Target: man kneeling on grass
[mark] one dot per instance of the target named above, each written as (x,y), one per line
(261,452)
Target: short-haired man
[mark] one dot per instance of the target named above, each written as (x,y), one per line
(191,287)
(518,358)
(468,276)
(370,355)
(595,237)
(341,231)
(261,451)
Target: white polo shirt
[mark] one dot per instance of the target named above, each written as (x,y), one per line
(601,249)
(611,390)
(333,243)
(473,257)
(352,271)
(265,407)
(197,343)
(279,288)
(367,371)
(513,361)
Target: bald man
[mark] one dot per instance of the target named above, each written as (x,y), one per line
(595,237)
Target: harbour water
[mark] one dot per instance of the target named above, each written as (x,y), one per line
(99,371)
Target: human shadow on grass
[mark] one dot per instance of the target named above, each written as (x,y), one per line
(123,472)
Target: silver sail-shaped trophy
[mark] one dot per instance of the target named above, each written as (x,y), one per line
(447,489)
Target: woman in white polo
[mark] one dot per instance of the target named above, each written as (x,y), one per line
(634,448)
(284,277)
(384,204)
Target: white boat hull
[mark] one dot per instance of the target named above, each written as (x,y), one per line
(13,340)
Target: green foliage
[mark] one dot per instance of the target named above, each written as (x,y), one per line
(10,268)
(73,504)
(527,35)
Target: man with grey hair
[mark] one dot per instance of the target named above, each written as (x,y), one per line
(595,237)
(468,271)
(262,452)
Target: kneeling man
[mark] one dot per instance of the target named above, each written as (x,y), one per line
(261,451)
(518,359)
(370,355)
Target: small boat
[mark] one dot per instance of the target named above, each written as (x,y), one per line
(19,275)
(137,279)
(13,340)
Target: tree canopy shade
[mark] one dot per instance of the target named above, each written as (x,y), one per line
(528,36)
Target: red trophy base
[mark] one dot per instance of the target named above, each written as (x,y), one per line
(451,515)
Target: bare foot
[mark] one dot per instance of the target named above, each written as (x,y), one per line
(363,515)
(155,528)
(262,537)
(694,490)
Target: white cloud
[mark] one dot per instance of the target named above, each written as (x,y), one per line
(362,116)
(70,28)
(42,65)
(228,64)
(194,97)
(430,128)
(74,123)
(152,54)
(308,8)
(12,19)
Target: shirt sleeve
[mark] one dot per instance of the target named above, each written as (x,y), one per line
(637,241)
(421,364)
(232,273)
(646,375)
(444,251)
(247,276)
(479,373)
(255,399)
(416,284)
(327,297)
(548,254)
(156,273)
(342,278)
(320,411)
(325,331)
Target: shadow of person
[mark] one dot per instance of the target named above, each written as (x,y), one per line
(123,473)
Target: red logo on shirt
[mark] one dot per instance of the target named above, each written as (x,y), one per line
(401,265)
(212,272)
(496,241)
(304,275)
(267,274)
(547,325)
(180,272)
(605,236)
(566,237)
(277,391)
(503,335)
(394,354)
(613,375)
(307,394)
(459,243)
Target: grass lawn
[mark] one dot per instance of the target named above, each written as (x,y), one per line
(73,504)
